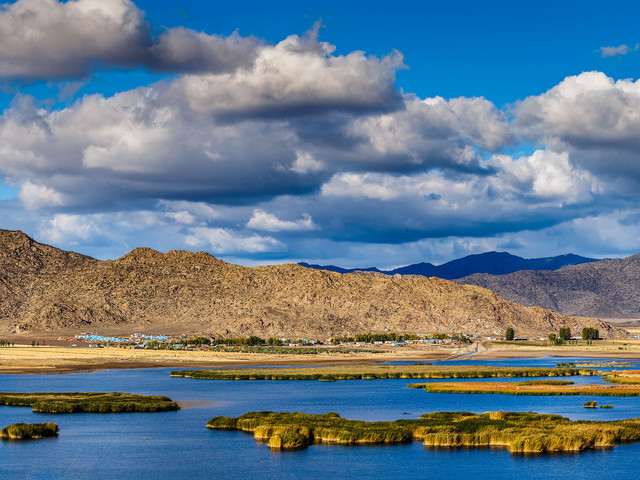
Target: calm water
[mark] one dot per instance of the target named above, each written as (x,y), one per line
(177,444)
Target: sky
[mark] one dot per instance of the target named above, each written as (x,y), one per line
(349,133)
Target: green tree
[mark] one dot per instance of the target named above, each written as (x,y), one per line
(590,333)
(509,334)
(565,333)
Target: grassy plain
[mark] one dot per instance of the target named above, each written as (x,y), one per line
(55,359)
(64,359)
(517,432)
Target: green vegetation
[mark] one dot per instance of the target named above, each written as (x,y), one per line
(6,343)
(509,335)
(564,334)
(629,377)
(368,372)
(518,432)
(89,402)
(515,388)
(590,404)
(590,333)
(26,431)
(594,364)
(545,382)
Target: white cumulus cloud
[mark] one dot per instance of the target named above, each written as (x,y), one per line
(261,220)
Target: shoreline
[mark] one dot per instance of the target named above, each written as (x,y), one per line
(65,360)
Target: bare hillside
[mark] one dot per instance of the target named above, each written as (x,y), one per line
(606,289)
(46,289)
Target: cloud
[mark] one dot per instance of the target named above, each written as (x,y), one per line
(49,39)
(299,75)
(148,144)
(182,50)
(529,192)
(433,133)
(618,51)
(65,229)
(594,118)
(225,241)
(261,220)
(36,197)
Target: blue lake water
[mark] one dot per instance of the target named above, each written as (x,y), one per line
(177,445)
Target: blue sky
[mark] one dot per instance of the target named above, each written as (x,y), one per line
(354,133)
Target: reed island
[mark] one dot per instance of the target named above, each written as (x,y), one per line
(89,402)
(369,372)
(28,431)
(517,432)
(529,388)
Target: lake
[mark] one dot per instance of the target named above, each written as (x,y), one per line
(177,445)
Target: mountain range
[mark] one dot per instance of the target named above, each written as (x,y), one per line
(605,289)
(45,289)
(494,263)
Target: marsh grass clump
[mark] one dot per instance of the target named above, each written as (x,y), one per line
(590,404)
(524,388)
(288,441)
(624,377)
(89,402)
(518,432)
(545,382)
(371,372)
(26,431)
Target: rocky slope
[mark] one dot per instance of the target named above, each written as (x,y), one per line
(45,289)
(606,289)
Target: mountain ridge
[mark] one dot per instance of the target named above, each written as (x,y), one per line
(196,293)
(495,263)
(607,288)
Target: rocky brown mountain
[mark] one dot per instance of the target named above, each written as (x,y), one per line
(46,289)
(606,289)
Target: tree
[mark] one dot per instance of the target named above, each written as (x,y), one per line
(565,333)
(590,333)
(509,334)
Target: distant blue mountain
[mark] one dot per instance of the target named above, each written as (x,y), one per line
(494,263)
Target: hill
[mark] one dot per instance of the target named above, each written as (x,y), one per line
(607,289)
(46,289)
(495,263)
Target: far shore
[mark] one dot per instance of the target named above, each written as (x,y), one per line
(58,359)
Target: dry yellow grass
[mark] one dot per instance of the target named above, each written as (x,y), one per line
(515,388)
(63,359)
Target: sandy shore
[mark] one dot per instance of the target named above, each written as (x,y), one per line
(56,359)
(51,359)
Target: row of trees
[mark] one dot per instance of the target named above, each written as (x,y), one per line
(6,343)
(564,334)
